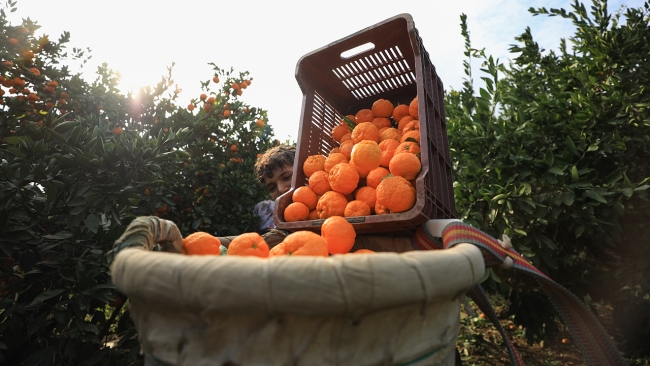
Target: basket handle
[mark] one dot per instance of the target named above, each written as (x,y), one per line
(146,231)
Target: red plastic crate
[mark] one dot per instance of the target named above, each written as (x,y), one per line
(398,68)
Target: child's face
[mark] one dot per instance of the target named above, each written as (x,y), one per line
(280,182)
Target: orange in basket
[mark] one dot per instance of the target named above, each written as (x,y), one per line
(249,244)
(201,243)
(338,234)
(395,194)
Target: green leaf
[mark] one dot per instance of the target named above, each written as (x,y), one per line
(350,123)
(60,235)
(574,174)
(596,196)
(46,296)
(555,170)
(571,146)
(579,230)
(92,222)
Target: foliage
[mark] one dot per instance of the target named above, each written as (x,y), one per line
(78,161)
(554,152)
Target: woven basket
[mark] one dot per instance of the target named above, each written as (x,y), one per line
(377,309)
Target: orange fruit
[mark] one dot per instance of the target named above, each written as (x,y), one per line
(313,164)
(35,71)
(296,211)
(364,115)
(339,131)
(260,123)
(249,244)
(388,148)
(411,134)
(343,178)
(234,148)
(413,108)
(13,41)
(199,243)
(395,194)
(335,150)
(302,243)
(277,250)
(363,251)
(313,215)
(305,195)
(366,155)
(405,165)
(331,204)
(118,130)
(407,147)
(356,208)
(365,131)
(381,122)
(215,79)
(368,195)
(226,112)
(363,173)
(414,125)
(333,159)
(339,235)
(403,122)
(390,133)
(203,97)
(319,182)
(346,148)
(400,111)
(346,137)
(191,107)
(382,108)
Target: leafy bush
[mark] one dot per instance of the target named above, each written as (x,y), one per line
(554,152)
(78,161)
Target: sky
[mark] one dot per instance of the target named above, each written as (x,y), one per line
(142,38)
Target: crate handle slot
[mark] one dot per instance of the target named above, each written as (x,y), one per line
(357,50)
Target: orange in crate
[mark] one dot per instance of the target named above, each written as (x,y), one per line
(351,76)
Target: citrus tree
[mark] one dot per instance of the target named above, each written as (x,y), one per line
(78,161)
(553,151)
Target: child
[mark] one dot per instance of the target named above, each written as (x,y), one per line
(274,169)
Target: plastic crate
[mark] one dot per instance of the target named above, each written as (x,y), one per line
(398,68)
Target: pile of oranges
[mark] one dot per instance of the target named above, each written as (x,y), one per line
(372,171)
(337,237)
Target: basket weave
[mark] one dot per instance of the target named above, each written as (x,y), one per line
(379,309)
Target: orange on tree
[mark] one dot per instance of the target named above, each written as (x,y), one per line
(203,96)
(319,182)
(400,111)
(226,113)
(368,195)
(305,195)
(413,108)
(234,148)
(388,148)
(312,164)
(365,131)
(331,204)
(366,154)
(215,79)
(339,235)
(394,194)
(302,243)
(260,123)
(296,211)
(364,115)
(343,178)
(356,208)
(408,147)
(35,71)
(117,130)
(191,107)
(333,159)
(405,165)
(382,108)
(249,244)
(201,243)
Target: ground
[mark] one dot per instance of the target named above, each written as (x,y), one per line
(480,343)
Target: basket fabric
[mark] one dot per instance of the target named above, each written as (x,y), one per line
(379,309)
